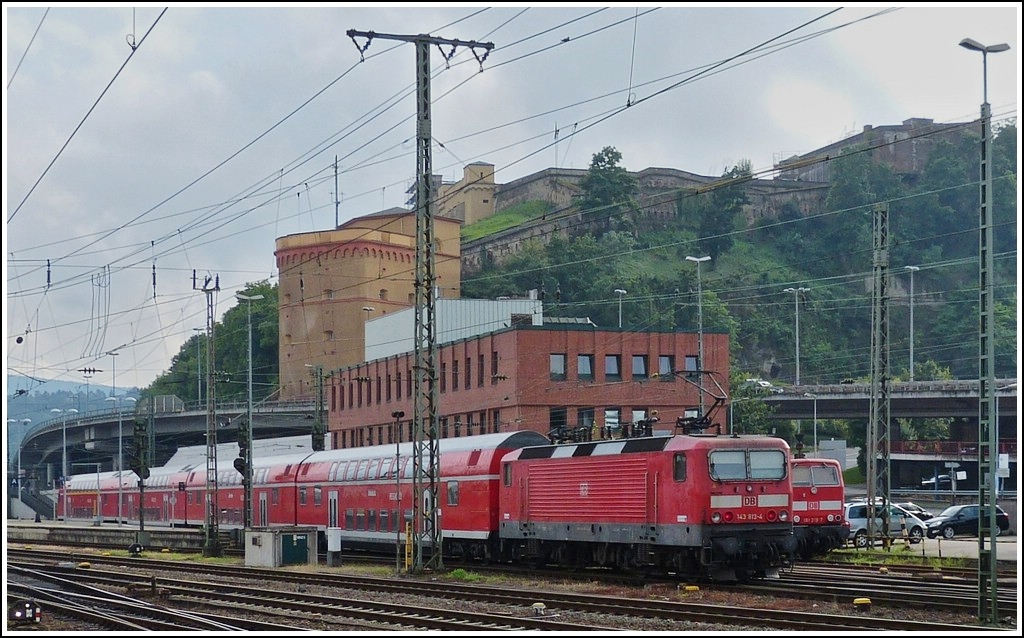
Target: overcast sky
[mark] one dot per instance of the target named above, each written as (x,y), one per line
(189,137)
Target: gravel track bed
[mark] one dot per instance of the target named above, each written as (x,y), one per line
(717,596)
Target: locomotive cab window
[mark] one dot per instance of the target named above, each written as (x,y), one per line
(453,492)
(744,465)
(506,474)
(679,467)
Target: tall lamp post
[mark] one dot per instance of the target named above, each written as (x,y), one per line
(620,292)
(120,458)
(912,270)
(10,444)
(815,397)
(988,441)
(64,450)
(247,477)
(700,331)
(397,416)
(796,301)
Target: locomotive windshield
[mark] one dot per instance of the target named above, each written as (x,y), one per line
(747,465)
(818,475)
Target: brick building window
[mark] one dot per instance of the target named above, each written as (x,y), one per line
(557,366)
(585,367)
(612,367)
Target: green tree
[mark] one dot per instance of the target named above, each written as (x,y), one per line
(719,221)
(608,193)
(231,365)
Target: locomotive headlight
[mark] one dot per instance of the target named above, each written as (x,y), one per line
(716,517)
(796,519)
(783,515)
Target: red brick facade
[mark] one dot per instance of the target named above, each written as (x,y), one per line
(529,378)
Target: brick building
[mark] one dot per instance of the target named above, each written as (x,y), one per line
(551,378)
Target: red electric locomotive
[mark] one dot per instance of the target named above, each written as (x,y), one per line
(818,497)
(703,506)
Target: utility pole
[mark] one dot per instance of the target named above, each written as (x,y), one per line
(426,479)
(878,426)
(211,523)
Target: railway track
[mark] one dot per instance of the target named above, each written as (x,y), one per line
(291,595)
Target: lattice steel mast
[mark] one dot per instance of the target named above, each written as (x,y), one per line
(426,454)
(211,523)
(879,480)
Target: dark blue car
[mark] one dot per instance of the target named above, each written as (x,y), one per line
(963,519)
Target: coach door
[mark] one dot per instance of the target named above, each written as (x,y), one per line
(332,508)
(263,510)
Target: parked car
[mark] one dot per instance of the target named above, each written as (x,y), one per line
(917,510)
(857,515)
(944,483)
(963,519)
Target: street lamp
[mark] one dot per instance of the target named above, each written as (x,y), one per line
(796,301)
(10,431)
(620,292)
(64,450)
(700,331)
(397,416)
(199,365)
(912,270)
(120,457)
(732,406)
(987,580)
(368,310)
(247,477)
(815,397)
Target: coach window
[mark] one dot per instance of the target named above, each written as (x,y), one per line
(350,517)
(302,496)
(350,473)
(318,496)
(557,366)
(361,520)
(384,526)
(679,467)
(275,496)
(361,474)
(372,521)
(374,467)
(453,492)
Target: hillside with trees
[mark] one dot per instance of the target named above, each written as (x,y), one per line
(933,219)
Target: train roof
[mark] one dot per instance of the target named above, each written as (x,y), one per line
(655,443)
(508,440)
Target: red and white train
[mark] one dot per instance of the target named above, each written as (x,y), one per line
(819,522)
(702,506)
